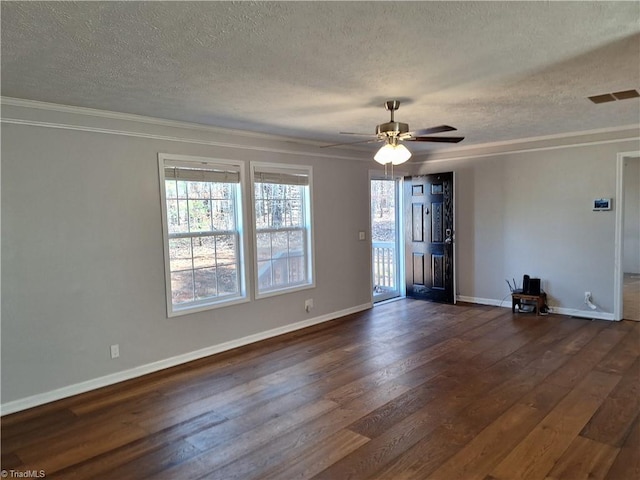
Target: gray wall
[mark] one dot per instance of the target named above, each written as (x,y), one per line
(531,213)
(82,256)
(631,232)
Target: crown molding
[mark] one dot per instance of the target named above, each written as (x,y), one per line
(131,117)
(555,136)
(82,111)
(522,145)
(128,133)
(534,144)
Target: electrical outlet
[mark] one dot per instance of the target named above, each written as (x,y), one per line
(587,297)
(308,305)
(362,236)
(115,351)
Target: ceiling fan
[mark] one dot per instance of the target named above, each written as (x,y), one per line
(392,133)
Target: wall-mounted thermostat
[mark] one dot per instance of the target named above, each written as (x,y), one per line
(601,204)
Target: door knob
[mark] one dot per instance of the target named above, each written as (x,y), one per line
(448,239)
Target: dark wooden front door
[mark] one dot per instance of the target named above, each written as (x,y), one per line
(429,237)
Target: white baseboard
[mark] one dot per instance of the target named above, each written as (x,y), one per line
(82,387)
(590,314)
(506,303)
(486,301)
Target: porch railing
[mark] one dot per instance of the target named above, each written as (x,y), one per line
(384,265)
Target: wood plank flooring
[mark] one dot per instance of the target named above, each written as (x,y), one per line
(631,297)
(407,390)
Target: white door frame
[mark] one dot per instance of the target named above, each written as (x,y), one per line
(618,273)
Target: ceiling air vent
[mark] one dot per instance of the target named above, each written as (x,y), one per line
(612,97)
(626,94)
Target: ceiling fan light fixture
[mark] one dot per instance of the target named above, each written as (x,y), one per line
(392,133)
(394,154)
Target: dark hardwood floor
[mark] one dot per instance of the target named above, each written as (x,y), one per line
(409,389)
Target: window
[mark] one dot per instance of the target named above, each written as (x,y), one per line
(283,233)
(203,240)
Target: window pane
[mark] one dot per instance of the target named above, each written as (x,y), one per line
(226,250)
(205,283)
(264,275)
(269,191)
(297,270)
(198,189)
(227,279)
(182,287)
(199,215)
(204,252)
(262,214)
(264,246)
(258,191)
(295,191)
(294,216)
(180,254)
(223,215)
(220,191)
(280,272)
(181,188)
(276,219)
(177,216)
(280,245)
(296,243)
(170,189)
(275,208)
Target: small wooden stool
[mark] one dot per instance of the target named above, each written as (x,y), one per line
(540,300)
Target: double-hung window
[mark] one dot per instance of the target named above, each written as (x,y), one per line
(203,235)
(283,228)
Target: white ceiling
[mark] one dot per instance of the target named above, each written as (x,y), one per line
(496,70)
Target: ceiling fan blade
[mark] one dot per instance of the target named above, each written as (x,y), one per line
(351,143)
(436,139)
(429,131)
(361,134)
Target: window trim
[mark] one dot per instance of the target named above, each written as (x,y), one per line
(166,159)
(309,227)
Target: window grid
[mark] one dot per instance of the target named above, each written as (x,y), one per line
(200,286)
(296,271)
(203,240)
(282,234)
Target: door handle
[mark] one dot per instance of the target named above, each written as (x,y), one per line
(449,239)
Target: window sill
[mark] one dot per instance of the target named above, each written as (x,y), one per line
(178,312)
(282,291)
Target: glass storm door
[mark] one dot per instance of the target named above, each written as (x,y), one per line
(385,240)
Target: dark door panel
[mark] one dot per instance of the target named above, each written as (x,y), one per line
(429,237)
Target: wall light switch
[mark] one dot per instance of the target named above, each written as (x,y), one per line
(362,235)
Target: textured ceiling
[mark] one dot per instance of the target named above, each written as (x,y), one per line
(496,70)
